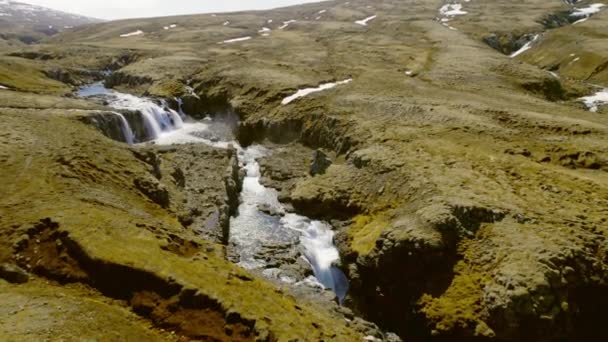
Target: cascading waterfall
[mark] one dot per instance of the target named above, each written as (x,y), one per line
(127,132)
(317,238)
(157,118)
(252,228)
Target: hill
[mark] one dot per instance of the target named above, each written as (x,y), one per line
(22,23)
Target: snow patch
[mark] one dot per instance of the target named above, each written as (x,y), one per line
(304,92)
(226,23)
(366,20)
(526,47)
(594,101)
(587,11)
(235,40)
(131,34)
(286,24)
(452,10)
(2,87)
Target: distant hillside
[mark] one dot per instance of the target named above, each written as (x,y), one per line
(22,23)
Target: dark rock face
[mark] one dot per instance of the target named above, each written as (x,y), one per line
(508,42)
(233,183)
(155,191)
(13,274)
(320,163)
(121,79)
(107,123)
(550,88)
(137,124)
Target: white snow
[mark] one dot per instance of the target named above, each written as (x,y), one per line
(286,23)
(304,92)
(264,29)
(235,40)
(525,48)
(409,72)
(3,87)
(322,11)
(452,10)
(581,20)
(269,21)
(170,27)
(553,74)
(226,23)
(366,20)
(587,11)
(131,34)
(594,101)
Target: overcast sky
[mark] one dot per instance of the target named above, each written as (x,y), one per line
(118,9)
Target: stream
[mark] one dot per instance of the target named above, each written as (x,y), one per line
(261,220)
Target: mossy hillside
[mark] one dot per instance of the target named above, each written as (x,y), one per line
(563,51)
(28,76)
(70,313)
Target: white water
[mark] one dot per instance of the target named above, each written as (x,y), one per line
(317,238)
(308,91)
(127,132)
(251,229)
(157,118)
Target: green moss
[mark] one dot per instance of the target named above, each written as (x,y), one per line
(25,75)
(460,307)
(366,230)
(167,88)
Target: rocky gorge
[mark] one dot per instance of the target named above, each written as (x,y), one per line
(358,171)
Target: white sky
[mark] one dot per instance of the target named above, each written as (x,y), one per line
(118,9)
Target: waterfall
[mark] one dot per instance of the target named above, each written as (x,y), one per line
(126,129)
(253,228)
(157,118)
(317,239)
